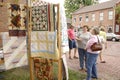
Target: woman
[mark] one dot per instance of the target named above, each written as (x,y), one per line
(82,39)
(72,42)
(92,55)
(104,42)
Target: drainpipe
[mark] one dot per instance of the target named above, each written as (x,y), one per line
(114,19)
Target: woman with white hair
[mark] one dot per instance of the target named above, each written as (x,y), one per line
(92,55)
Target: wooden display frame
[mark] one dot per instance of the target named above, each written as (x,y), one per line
(59,60)
(29,29)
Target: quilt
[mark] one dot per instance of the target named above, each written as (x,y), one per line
(14,50)
(17,19)
(39,18)
(43,44)
(43,16)
(43,69)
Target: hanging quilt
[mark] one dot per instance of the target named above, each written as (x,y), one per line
(40,18)
(17,20)
(15,51)
(43,44)
(43,16)
(43,69)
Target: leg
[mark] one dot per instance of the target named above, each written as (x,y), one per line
(91,60)
(85,54)
(100,56)
(89,66)
(94,69)
(70,48)
(101,60)
(75,49)
(81,58)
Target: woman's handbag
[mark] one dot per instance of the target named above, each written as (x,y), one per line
(97,46)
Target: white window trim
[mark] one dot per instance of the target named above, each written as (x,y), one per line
(93,17)
(81,18)
(86,19)
(74,19)
(101,16)
(110,16)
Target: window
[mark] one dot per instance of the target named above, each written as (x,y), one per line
(117,28)
(86,18)
(74,20)
(101,16)
(110,29)
(93,17)
(110,13)
(80,18)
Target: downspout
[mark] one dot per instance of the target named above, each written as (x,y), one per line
(114,18)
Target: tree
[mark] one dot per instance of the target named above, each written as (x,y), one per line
(117,12)
(72,5)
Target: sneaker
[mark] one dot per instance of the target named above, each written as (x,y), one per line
(83,70)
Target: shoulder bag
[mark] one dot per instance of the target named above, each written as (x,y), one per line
(97,46)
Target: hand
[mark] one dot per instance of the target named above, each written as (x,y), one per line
(78,39)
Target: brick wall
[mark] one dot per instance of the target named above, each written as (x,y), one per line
(106,22)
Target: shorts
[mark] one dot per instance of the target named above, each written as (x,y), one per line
(72,44)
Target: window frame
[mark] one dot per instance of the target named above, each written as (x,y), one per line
(101,17)
(93,17)
(110,16)
(86,17)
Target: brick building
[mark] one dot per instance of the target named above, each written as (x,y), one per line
(96,15)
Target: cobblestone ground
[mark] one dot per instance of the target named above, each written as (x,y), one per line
(106,71)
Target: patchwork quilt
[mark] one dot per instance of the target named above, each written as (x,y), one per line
(43,44)
(43,69)
(40,18)
(43,16)
(17,19)
(15,51)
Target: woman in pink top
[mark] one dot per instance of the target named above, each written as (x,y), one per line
(92,55)
(72,42)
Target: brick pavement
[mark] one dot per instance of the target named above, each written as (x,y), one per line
(109,70)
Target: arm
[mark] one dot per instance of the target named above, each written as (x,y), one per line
(90,42)
(69,34)
(105,41)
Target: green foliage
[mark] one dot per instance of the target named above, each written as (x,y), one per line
(72,5)
(87,2)
(24,74)
(117,10)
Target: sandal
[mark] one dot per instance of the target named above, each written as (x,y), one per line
(103,62)
(75,57)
